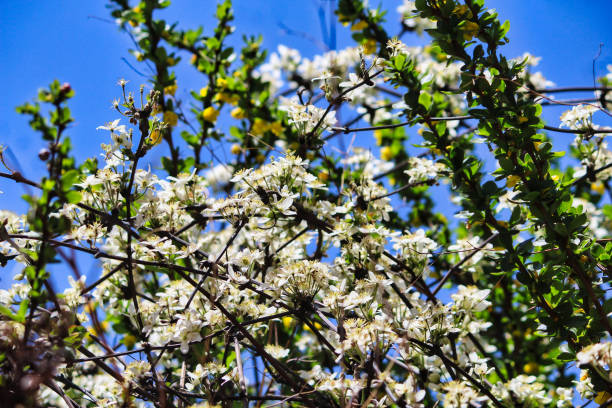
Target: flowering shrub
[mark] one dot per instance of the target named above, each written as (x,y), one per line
(298,275)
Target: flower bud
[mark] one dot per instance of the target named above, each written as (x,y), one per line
(43,154)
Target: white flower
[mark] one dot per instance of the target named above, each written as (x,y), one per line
(598,354)
(219,175)
(422,170)
(471,299)
(113,127)
(565,397)
(579,117)
(326,75)
(460,395)
(276,351)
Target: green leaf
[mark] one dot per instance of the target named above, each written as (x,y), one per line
(74,197)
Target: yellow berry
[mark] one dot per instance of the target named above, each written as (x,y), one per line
(193,59)
(260,158)
(323,176)
(204,92)
(236,149)
(210,114)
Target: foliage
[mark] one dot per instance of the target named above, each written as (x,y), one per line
(303,276)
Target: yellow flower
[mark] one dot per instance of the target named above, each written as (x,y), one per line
(236,149)
(512,181)
(317,326)
(90,307)
(531,368)
(221,82)
(171,89)
(170,118)
(276,128)
(129,341)
(386,153)
(461,10)
(287,321)
(360,25)
(369,46)
(227,98)
(210,114)
(259,127)
(378,134)
(598,187)
(95,331)
(238,113)
(204,92)
(155,137)
(470,30)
